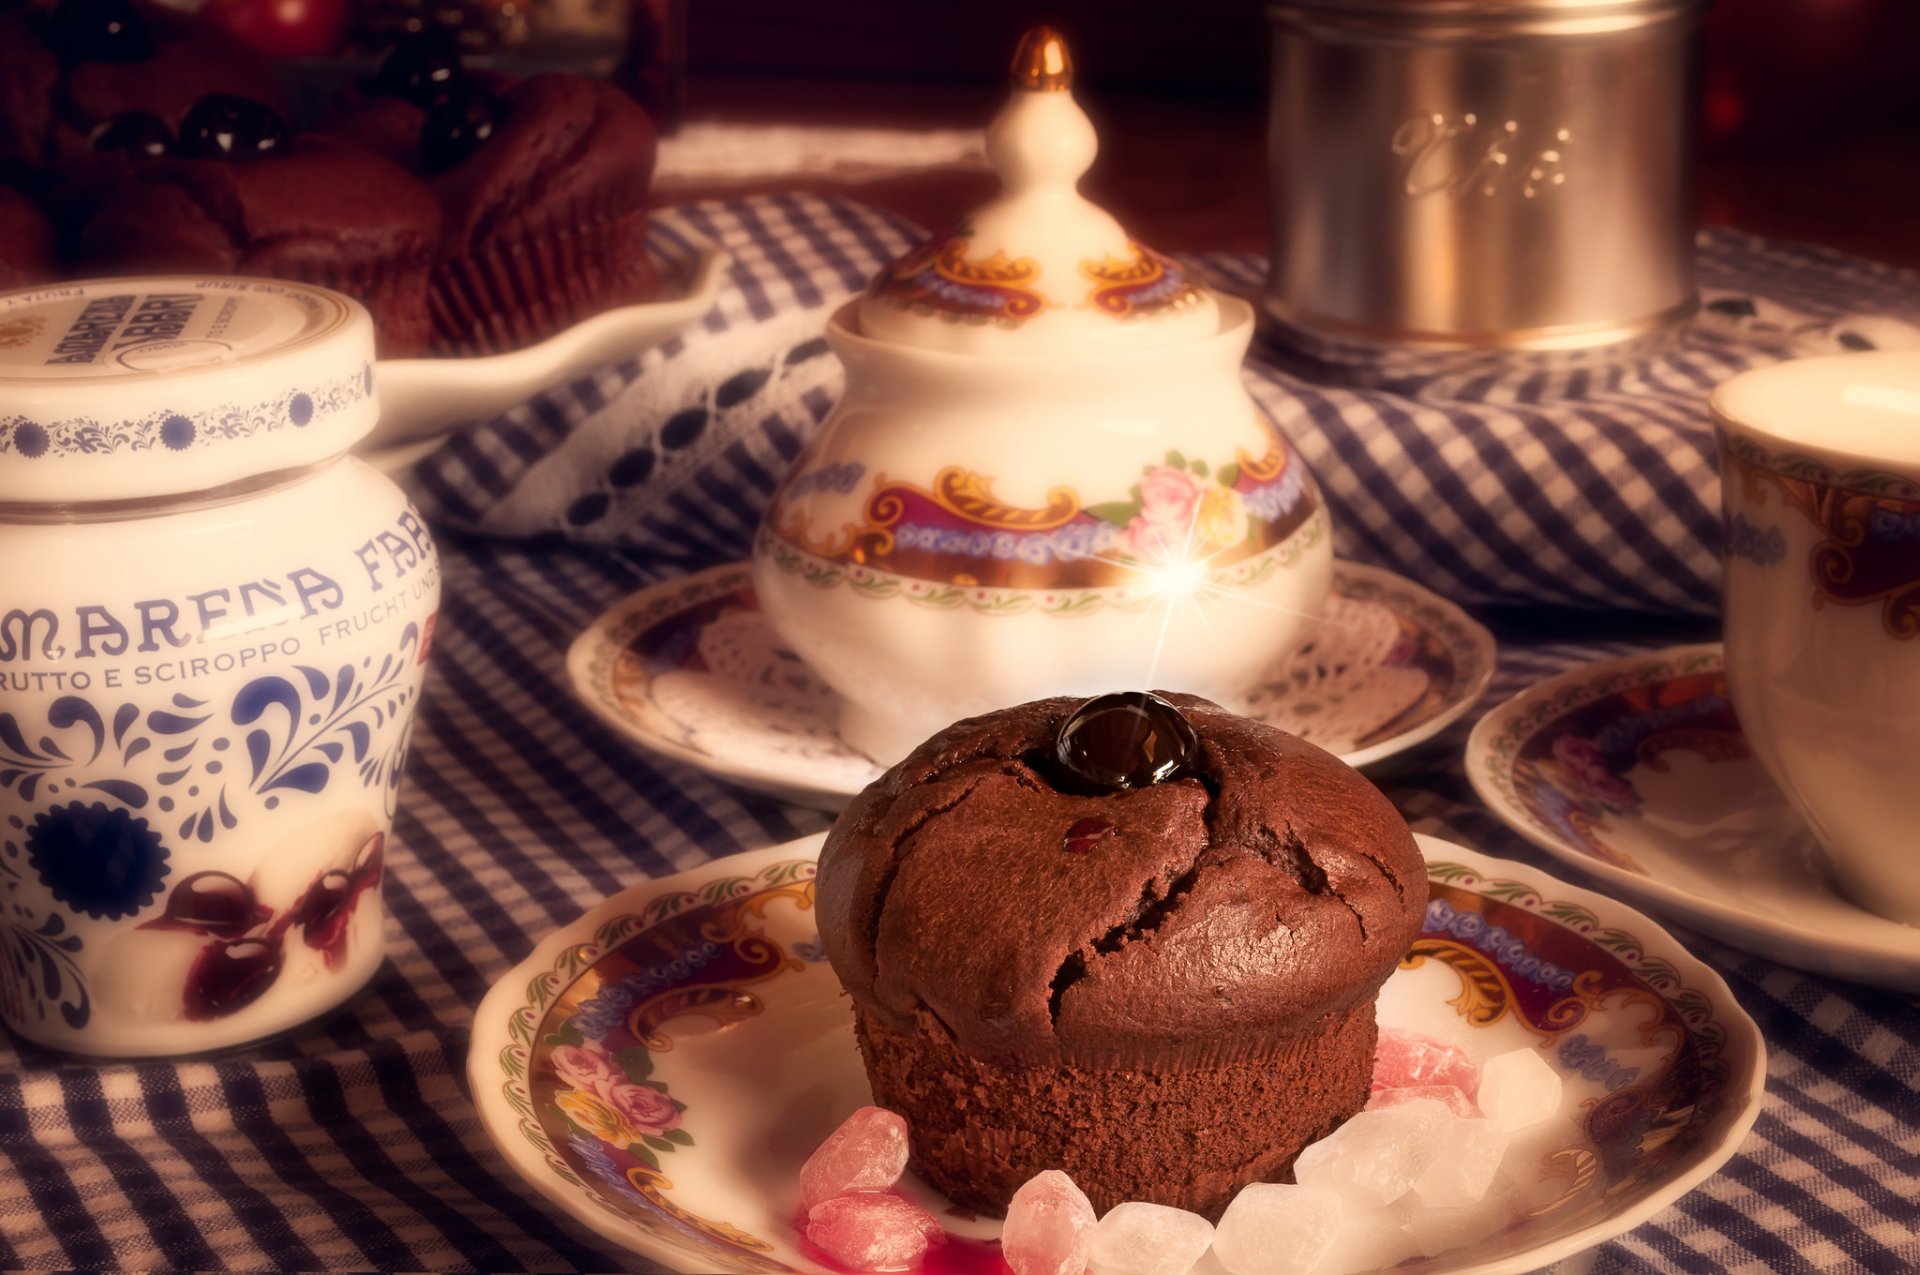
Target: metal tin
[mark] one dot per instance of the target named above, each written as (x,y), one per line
(1481,175)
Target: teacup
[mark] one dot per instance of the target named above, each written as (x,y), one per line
(1820,466)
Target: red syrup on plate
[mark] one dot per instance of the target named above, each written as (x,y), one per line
(956,1257)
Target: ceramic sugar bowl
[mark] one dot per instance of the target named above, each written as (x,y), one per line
(1045,475)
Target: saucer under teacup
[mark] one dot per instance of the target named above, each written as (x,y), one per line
(691,669)
(1636,771)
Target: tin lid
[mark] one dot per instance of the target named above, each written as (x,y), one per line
(1039,269)
(1546,17)
(118,389)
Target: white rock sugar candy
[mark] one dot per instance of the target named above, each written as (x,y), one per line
(1377,1156)
(1371,1240)
(873,1231)
(1136,1238)
(1441,1230)
(1049,1227)
(868,1152)
(1273,1229)
(1465,1170)
(1518,1089)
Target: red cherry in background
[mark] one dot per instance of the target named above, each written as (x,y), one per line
(283,28)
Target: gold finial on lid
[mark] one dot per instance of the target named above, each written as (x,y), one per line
(1041,64)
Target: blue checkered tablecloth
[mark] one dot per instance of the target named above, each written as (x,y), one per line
(1577,511)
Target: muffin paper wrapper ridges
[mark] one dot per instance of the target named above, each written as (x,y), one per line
(511,292)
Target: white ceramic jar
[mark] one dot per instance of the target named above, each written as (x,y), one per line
(212,639)
(1045,475)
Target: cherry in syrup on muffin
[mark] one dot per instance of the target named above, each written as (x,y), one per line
(140,134)
(223,126)
(458,126)
(98,31)
(1125,739)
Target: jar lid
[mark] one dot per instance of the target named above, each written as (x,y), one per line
(1040,269)
(119,389)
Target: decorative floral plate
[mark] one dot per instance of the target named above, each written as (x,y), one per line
(1635,770)
(690,669)
(421,399)
(660,1068)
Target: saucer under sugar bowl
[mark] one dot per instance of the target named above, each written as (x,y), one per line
(1045,475)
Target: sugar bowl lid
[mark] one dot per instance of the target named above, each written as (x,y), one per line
(1039,269)
(132,389)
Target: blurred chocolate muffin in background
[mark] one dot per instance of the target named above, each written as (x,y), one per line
(471,213)
(542,184)
(240,195)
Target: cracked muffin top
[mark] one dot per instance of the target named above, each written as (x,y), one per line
(1209,915)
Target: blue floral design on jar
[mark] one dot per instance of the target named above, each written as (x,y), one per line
(177,432)
(30,439)
(97,859)
(300,409)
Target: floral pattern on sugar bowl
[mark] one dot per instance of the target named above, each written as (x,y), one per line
(944,278)
(1575,758)
(956,532)
(1143,284)
(940,279)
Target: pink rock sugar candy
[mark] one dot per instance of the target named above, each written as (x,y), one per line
(1049,1227)
(868,1152)
(1410,1060)
(873,1231)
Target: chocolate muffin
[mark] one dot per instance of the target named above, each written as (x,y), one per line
(542,187)
(309,208)
(546,224)
(1104,939)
